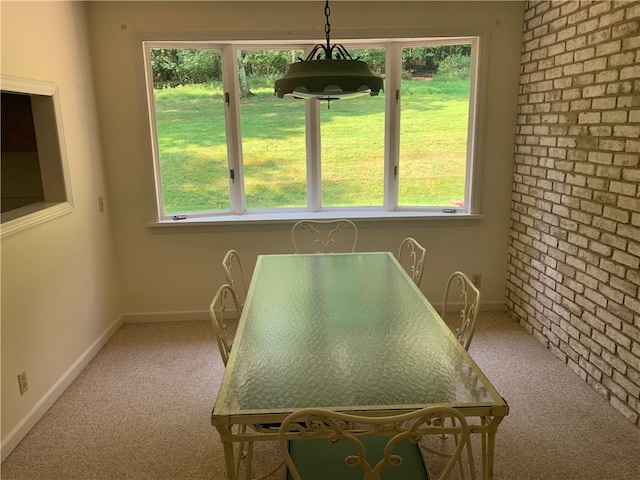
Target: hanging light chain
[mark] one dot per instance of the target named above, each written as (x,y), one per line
(327,29)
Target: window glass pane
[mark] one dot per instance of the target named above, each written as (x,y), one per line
(433,125)
(273,133)
(190,125)
(352,140)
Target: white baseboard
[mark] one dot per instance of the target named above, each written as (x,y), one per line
(26,424)
(165,316)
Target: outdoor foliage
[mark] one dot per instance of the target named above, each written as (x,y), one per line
(188,66)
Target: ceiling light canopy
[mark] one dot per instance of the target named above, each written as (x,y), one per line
(328,73)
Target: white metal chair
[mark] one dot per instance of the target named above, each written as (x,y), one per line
(320,444)
(235,276)
(324,236)
(223,306)
(460,286)
(223,302)
(411,256)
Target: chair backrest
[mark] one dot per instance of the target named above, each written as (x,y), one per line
(235,276)
(224,302)
(322,440)
(324,236)
(411,256)
(468,305)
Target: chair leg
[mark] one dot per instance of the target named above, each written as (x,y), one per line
(249,459)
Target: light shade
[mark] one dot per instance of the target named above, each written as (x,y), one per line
(328,79)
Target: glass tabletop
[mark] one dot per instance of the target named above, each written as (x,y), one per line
(346,332)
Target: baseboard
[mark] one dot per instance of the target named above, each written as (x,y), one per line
(27,423)
(165,316)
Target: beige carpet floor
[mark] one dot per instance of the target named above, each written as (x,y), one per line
(141,410)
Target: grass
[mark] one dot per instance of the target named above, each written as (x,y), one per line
(193,151)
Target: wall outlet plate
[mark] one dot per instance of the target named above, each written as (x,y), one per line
(22,382)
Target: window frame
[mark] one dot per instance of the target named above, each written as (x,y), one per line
(390,209)
(52,153)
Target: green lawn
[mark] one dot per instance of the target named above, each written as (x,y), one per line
(193,152)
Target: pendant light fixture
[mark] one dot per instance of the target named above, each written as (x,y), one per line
(328,73)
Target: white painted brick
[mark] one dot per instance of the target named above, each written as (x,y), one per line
(612,267)
(609,48)
(602,339)
(625,102)
(580,43)
(627,160)
(595,64)
(630,43)
(607,76)
(624,29)
(615,362)
(632,72)
(604,103)
(599,8)
(631,131)
(614,145)
(603,158)
(629,203)
(609,172)
(574,269)
(615,214)
(629,386)
(633,304)
(622,59)
(618,116)
(594,91)
(624,258)
(610,19)
(600,131)
(599,36)
(626,287)
(605,224)
(617,89)
(623,188)
(632,146)
(585,27)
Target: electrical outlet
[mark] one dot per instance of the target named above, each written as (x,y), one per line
(22,382)
(477,279)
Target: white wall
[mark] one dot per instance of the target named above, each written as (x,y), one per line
(60,295)
(179,271)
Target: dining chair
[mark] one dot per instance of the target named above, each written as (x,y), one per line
(468,305)
(411,256)
(318,444)
(223,307)
(224,302)
(232,267)
(324,236)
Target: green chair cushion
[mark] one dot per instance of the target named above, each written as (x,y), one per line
(317,459)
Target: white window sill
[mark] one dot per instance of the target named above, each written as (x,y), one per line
(291,217)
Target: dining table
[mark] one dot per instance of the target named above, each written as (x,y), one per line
(349,332)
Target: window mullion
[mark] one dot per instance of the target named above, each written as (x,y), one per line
(474,154)
(314,163)
(233,129)
(393,69)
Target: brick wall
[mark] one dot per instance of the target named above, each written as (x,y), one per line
(573,277)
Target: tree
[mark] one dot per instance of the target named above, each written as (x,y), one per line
(242,77)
